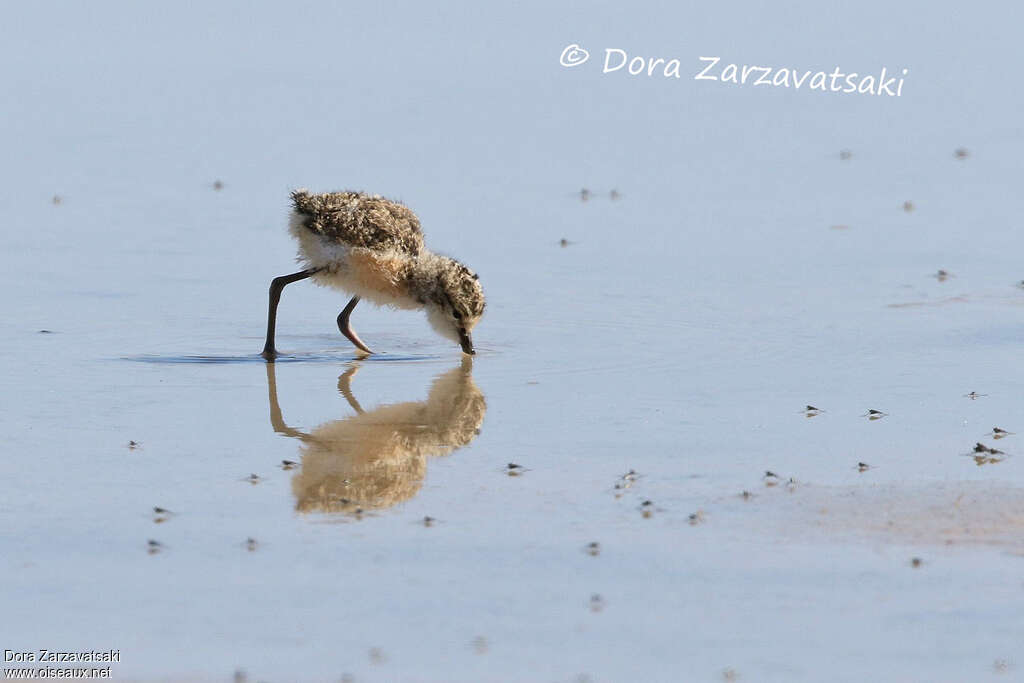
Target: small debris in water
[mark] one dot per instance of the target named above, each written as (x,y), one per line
(480,645)
(908,206)
(154,546)
(596,602)
(863,467)
(1021,284)
(625,482)
(746,495)
(57,200)
(584,194)
(1000,666)
(377,655)
(916,562)
(253,479)
(874,414)
(240,676)
(984,455)
(251,544)
(218,185)
(845,154)
(593,549)
(614,195)
(998,433)
(564,242)
(45,332)
(289,464)
(961,153)
(974,395)
(839,227)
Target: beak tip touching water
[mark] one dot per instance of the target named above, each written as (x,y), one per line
(467,343)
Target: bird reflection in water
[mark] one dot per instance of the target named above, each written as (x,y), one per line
(378,458)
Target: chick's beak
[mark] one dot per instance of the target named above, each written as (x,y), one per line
(466,341)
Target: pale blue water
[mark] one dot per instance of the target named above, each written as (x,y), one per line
(679,334)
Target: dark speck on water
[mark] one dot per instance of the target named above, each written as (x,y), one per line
(288,464)
(218,185)
(845,154)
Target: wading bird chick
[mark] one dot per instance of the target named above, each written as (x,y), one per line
(373,248)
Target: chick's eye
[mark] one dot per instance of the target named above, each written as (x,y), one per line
(458,316)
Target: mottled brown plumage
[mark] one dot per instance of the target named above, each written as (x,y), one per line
(360,220)
(373,248)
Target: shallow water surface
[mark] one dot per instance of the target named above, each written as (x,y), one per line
(587,498)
